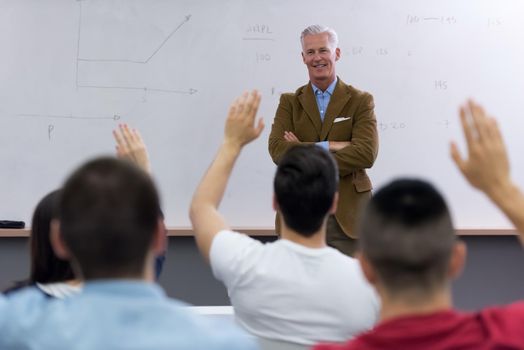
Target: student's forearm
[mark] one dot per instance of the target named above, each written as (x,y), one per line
(240,129)
(206,219)
(509,198)
(213,185)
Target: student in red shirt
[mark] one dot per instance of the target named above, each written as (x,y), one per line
(410,253)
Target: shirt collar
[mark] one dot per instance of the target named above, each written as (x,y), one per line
(329,90)
(125,287)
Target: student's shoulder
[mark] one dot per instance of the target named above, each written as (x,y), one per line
(341,259)
(504,323)
(23,310)
(512,312)
(347,346)
(30,298)
(228,238)
(16,287)
(345,265)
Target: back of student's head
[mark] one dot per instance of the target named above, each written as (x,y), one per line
(407,235)
(46,267)
(305,184)
(108,216)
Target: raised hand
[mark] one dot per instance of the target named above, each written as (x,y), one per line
(240,124)
(486,166)
(129,145)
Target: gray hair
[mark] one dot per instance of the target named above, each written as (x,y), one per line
(319,29)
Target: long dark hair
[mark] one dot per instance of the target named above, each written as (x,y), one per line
(45,266)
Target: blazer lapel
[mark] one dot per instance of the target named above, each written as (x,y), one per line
(337,102)
(309,105)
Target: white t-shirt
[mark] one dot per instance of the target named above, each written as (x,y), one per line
(286,291)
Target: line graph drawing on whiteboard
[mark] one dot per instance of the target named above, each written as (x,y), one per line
(107,64)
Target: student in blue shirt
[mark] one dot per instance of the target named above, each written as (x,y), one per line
(53,276)
(109,229)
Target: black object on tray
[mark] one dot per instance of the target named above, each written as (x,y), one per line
(11,224)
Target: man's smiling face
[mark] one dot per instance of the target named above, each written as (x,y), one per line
(320,58)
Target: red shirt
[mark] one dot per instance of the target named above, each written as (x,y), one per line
(500,328)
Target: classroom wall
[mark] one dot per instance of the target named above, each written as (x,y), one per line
(493,274)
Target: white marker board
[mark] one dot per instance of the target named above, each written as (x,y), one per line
(70,71)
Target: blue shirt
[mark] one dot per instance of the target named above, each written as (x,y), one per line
(323,98)
(111,315)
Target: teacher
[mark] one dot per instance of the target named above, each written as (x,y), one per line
(335,116)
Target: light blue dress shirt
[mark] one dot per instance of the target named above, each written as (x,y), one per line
(323,98)
(111,315)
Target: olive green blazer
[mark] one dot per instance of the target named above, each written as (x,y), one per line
(349,117)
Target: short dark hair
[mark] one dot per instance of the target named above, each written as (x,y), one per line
(305,184)
(46,267)
(108,215)
(407,234)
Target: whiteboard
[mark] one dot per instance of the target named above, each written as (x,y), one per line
(72,70)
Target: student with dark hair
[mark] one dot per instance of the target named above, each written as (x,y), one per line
(109,229)
(410,253)
(305,188)
(102,204)
(297,289)
(53,276)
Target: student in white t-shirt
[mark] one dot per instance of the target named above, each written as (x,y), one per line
(296,289)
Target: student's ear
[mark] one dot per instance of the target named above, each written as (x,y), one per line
(337,54)
(457,259)
(303,57)
(333,208)
(160,238)
(57,242)
(367,269)
(276,207)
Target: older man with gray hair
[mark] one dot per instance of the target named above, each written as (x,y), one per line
(337,117)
